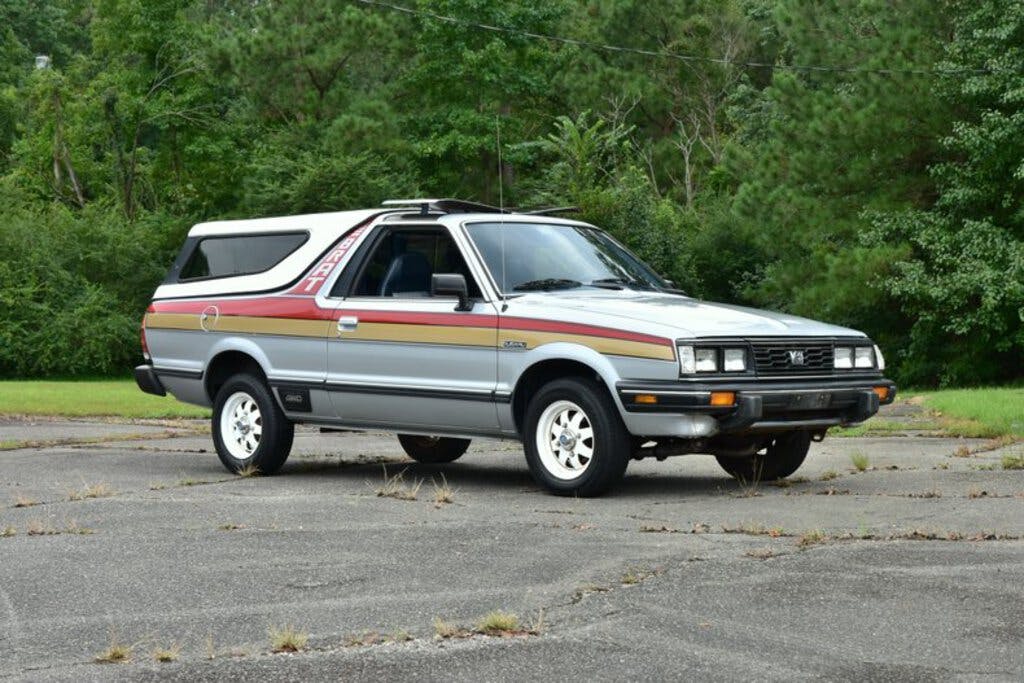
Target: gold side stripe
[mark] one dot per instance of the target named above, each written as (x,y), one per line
(615,347)
(292,327)
(400,332)
(424,334)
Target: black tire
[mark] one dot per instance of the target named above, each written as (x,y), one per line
(781,458)
(433,450)
(610,444)
(275,440)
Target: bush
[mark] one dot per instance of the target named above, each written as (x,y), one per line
(74,286)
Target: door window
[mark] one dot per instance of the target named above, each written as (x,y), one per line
(403,261)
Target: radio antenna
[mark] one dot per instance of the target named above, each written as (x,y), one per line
(501,208)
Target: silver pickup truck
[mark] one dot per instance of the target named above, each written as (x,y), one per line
(443,320)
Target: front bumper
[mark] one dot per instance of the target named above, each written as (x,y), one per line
(761,406)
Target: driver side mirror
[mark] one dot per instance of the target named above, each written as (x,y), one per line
(451,284)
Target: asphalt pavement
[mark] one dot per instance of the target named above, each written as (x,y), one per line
(134,535)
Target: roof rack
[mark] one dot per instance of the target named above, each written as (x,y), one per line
(552,211)
(427,206)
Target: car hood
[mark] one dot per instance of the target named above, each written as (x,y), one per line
(667,314)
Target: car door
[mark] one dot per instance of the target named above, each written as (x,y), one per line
(402,359)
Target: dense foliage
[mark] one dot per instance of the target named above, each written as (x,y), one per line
(885,192)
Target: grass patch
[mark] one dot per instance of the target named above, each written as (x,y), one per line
(829,475)
(883,427)
(108,397)
(983,412)
(287,639)
(8,531)
(1013,462)
(498,623)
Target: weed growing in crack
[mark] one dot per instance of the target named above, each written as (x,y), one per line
(116,652)
(760,553)
(397,488)
(443,493)
(167,654)
(498,623)
(1013,462)
(445,629)
(811,538)
(248,471)
(100,490)
(287,639)
(22,501)
(860,461)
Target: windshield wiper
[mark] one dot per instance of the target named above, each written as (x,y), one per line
(547,284)
(618,283)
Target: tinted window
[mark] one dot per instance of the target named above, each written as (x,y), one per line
(241,255)
(403,262)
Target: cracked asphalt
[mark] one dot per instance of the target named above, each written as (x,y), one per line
(910,570)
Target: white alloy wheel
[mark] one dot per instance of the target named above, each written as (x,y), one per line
(241,425)
(565,440)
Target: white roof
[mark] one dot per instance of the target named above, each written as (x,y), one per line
(313,222)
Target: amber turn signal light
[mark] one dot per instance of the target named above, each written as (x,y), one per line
(723,398)
(883,393)
(647,399)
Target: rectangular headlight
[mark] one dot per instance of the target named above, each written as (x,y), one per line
(843,359)
(735,360)
(687,361)
(864,357)
(707,360)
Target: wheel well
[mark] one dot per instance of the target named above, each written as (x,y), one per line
(226,364)
(541,373)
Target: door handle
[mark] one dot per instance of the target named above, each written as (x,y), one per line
(347,323)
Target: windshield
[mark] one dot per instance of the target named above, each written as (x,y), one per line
(541,257)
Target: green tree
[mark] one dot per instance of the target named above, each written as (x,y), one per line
(963,282)
(841,143)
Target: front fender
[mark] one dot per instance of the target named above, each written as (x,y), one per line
(611,369)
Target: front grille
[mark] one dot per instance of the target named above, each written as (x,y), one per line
(783,357)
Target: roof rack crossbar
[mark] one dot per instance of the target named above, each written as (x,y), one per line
(444,206)
(552,211)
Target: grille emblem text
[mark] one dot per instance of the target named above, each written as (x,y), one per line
(796,357)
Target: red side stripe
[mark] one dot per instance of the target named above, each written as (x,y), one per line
(537,325)
(261,307)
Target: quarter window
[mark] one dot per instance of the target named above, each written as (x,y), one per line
(240,255)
